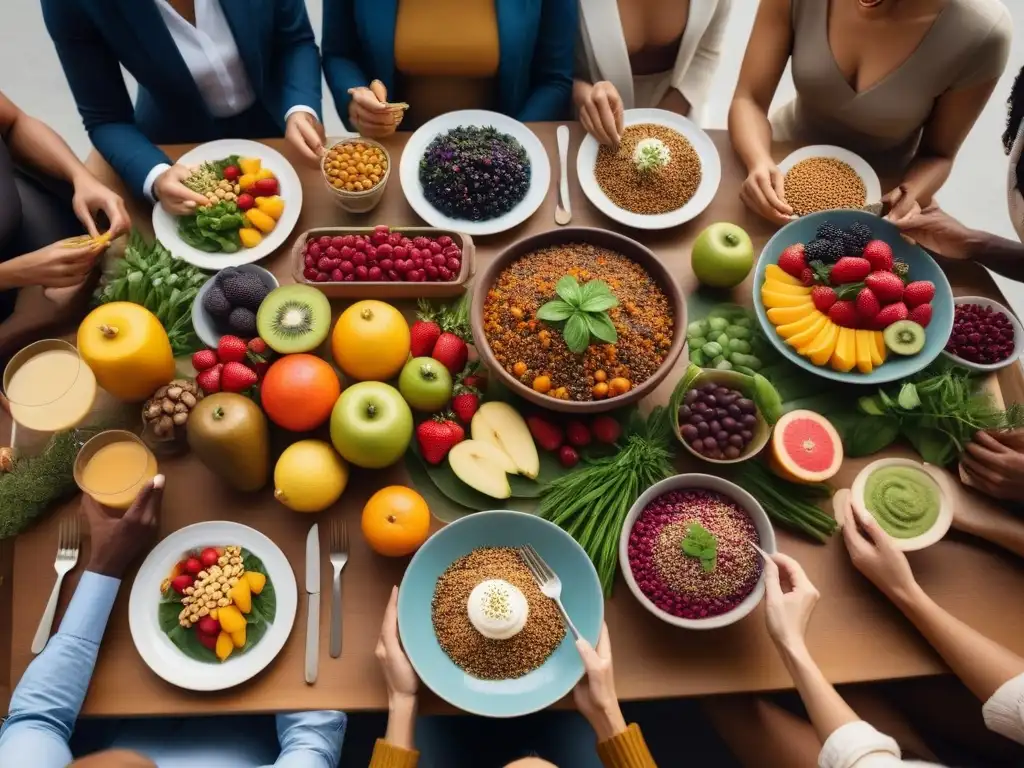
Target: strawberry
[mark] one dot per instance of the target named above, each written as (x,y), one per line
(231,349)
(792,261)
(918,292)
(474,375)
(850,269)
(546,434)
(424,335)
(208,626)
(807,277)
(868,305)
(892,313)
(237,377)
(260,367)
(844,313)
(921,314)
(823,297)
(887,286)
(257,346)
(605,429)
(209,380)
(879,254)
(436,437)
(451,352)
(180,583)
(458,433)
(465,402)
(193,566)
(204,359)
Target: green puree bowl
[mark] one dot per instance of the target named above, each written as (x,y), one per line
(581,595)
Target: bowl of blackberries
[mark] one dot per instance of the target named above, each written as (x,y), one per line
(227,303)
(719,421)
(986,336)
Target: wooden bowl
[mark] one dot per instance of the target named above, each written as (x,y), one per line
(358,202)
(741,383)
(621,244)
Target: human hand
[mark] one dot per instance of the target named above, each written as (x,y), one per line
(903,205)
(306,134)
(994,463)
(601,113)
(876,557)
(369,112)
(116,541)
(790,598)
(91,195)
(399,675)
(53,266)
(764,192)
(177,199)
(936,230)
(595,694)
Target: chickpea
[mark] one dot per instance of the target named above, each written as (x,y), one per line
(542,384)
(600,376)
(619,386)
(599,390)
(519,369)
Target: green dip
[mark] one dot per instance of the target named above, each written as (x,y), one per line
(904,500)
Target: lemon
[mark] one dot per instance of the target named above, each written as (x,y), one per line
(309,476)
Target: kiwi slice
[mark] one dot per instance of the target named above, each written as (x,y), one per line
(904,337)
(294,318)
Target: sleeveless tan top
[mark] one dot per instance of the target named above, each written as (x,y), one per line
(968,44)
(446,56)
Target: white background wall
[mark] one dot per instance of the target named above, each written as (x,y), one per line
(31,75)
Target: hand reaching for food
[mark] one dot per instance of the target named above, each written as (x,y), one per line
(903,205)
(170,190)
(790,598)
(601,113)
(994,464)
(91,195)
(873,553)
(370,113)
(595,695)
(58,265)
(764,192)
(306,134)
(936,230)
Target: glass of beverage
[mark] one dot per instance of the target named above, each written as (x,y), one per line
(113,467)
(49,386)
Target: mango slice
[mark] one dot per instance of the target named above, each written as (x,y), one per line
(775,299)
(864,344)
(799,326)
(776,273)
(238,638)
(241,596)
(230,618)
(256,581)
(881,352)
(249,165)
(785,315)
(845,355)
(820,350)
(806,336)
(777,286)
(224,646)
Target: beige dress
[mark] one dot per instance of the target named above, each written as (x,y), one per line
(968,44)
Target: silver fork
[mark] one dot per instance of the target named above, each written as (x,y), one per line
(339,558)
(67,557)
(548,581)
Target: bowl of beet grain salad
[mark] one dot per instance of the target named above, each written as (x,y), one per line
(578,320)
(986,336)
(685,551)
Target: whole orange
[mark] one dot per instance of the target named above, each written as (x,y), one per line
(396,521)
(370,341)
(299,392)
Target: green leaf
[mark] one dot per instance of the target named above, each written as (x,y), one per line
(601,328)
(185,640)
(555,311)
(576,333)
(933,445)
(908,397)
(692,548)
(767,399)
(865,435)
(167,613)
(265,601)
(871,405)
(600,303)
(569,289)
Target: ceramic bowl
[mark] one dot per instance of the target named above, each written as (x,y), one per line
(598,237)
(922,267)
(358,202)
(709,483)
(741,383)
(860,166)
(581,594)
(209,329)
(1018,336)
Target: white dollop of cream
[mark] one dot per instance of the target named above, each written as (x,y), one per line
(497,609)
(648,146)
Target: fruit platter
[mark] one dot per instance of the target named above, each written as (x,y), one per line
(192,644)
(255,197)
(841,294)
(474,171)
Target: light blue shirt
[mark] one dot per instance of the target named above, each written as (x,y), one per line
(46,703)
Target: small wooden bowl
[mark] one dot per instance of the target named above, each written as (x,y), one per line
(387,290)
(357,202)
(741,383)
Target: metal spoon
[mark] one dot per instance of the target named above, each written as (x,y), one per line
(563,209)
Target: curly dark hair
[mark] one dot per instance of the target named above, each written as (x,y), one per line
(1015,114)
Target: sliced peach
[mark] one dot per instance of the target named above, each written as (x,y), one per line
(799,326)
(806,336)
(773,299)
(238,638)
(230,618)
(864,344)
(845,355)
(224,646)
(241,596)
(777,286)
(785,315)
(824,344)
(778,274)
(256,581)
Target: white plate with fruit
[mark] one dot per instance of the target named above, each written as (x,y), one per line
(236,629)
(260,197)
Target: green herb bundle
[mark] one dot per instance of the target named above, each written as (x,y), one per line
(591,504)
(794,505)
(584,311)
(149,275)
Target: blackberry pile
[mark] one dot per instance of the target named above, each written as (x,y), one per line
(832,242)
(825,251)
(474,173)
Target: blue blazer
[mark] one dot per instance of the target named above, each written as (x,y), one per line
(536,40)
(95,37)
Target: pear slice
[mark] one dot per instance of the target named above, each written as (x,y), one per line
(500,425)
(480,466)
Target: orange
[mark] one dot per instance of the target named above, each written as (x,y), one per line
(396,521)
(299,392)
(370,341)
(805,448)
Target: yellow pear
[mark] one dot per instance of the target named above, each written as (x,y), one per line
(310,476)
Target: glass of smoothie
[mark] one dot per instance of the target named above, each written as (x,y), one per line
(49,386)
(113,467)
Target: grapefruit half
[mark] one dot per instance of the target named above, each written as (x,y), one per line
(805,448)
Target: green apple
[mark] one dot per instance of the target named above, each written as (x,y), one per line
(371,425)
(722,255)
(425,384)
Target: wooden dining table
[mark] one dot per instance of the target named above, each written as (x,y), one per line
(856,635)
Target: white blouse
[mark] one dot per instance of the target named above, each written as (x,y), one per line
(602,54)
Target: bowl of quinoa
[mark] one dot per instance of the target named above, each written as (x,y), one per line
(532,358)
(662,560)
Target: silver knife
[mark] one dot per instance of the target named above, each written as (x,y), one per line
(312,603)
(563,210)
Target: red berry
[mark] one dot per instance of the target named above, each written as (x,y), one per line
(208,641)
(337,275)
(180,583)
(333,253)
(868,305)
(359,259)
(375,273)
(309,261)
(918,292)
(849,269)
(454,264)
(193,565)
(209,557)
(892,313)
(322,277)
(605,429)
(209,380)
(348,241)
(844,313)
(792,260)
(395,238)
(324,241)
(338,242)
(577,434)
(921,314)
(879,255)
(435,247)
(568,457)
(314,250)
(886,285)
(231,349)
(204,359)
(444,241)
(823,297)
(347,267)
(362,272)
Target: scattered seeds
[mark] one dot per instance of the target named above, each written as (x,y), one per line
(823,183)
(657,188)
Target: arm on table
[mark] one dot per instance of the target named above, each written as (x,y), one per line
(46,703)
(310,739)
(342,52)
(551,83)
(297,59)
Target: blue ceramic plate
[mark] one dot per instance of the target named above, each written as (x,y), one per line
(922,267)
(581,594)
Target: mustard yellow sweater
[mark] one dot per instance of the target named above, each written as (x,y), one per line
(627,750)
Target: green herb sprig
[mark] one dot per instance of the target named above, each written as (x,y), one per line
(651,158)
(702,544)
(584,311)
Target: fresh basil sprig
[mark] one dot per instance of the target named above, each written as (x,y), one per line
(700,543)
(584,311)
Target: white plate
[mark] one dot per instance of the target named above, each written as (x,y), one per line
(872,186)
(165,226)
(540,171)
(162,656)
(1018,336)
(710,172)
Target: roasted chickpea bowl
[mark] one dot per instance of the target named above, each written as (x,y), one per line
(356,171)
